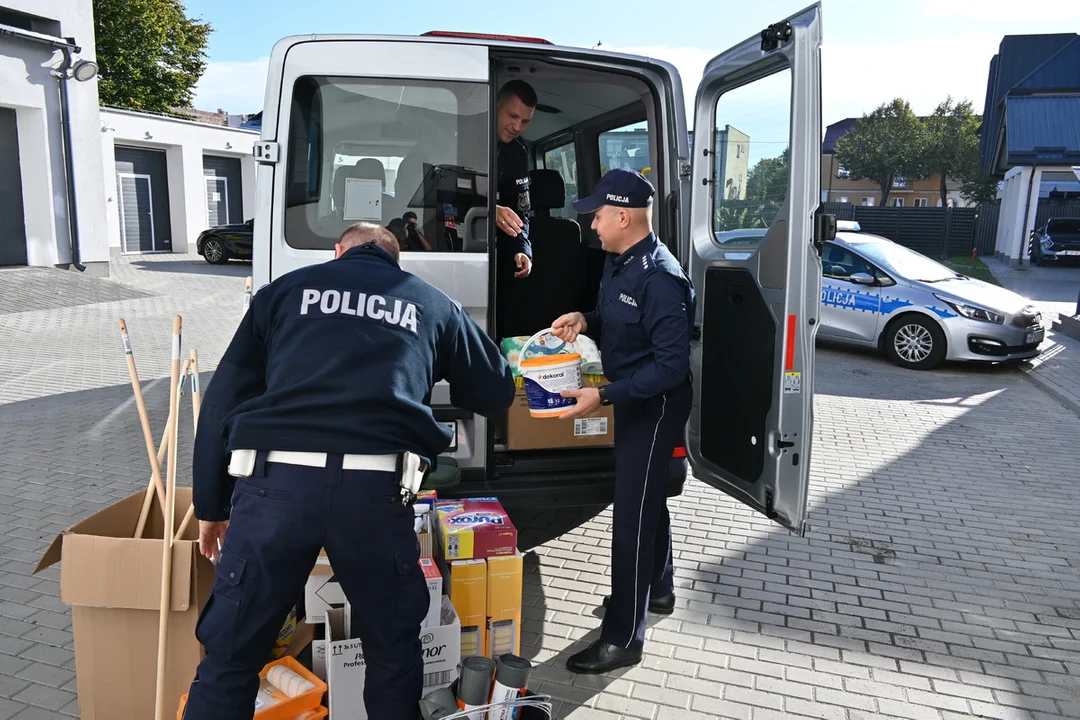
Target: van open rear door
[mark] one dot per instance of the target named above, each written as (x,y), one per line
(754,192)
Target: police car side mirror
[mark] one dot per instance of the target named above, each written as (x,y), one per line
(862,278)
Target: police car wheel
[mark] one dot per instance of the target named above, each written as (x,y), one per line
(214,251)
(915,342)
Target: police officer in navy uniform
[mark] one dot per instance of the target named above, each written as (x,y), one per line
(516,106)
(642,322)
(316,415)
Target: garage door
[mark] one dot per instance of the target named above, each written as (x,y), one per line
(224,194)
(142,186)
(12,225)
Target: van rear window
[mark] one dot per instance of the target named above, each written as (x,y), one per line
(375,149)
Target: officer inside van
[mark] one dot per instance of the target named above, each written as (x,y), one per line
(516,106)
(642,322)
(314,433)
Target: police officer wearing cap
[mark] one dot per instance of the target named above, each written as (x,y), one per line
(642,323)
(313,434)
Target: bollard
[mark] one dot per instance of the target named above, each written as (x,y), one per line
(1077,305)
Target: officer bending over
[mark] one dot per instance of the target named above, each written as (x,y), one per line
(642,323)
(321,399)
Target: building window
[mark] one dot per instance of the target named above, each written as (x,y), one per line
(899,181)
(842,171)
(920,202)
(868,202)
(842,199)
(898,202)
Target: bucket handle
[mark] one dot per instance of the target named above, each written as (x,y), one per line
(530,341)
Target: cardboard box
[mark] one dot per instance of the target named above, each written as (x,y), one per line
(347,670)
(322,591)
(504,578)
(525,432)
(468,593)
(475,528)
(113,584)
(435,585)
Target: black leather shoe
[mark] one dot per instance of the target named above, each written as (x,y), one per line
(601,658)
(657,606)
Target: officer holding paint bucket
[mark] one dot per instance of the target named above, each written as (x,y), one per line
(642,323)
(314,433)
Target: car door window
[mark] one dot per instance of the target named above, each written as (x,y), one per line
(626,147)
(840,263)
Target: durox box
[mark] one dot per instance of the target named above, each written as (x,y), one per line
(474,529)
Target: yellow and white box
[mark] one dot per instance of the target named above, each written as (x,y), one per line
(468,593)
(504,578)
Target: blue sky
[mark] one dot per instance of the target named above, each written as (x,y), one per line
(921,50)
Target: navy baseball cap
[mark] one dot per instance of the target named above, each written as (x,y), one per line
(620,187)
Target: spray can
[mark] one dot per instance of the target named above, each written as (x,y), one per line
(474,685)
(511,683)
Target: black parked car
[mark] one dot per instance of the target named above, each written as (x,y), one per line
(1058,239)
(220,244)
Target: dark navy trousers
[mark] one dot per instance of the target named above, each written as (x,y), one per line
(282,515)
(646,434)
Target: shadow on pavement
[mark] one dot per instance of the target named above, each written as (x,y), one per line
(234,268)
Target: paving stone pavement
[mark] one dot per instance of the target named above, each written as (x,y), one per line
(1054,290)
(938,578)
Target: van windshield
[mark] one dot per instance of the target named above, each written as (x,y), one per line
(375,149)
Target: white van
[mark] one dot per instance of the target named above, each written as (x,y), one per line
(359,127)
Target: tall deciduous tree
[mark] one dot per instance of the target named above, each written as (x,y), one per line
(952,142)
(151,54)
(883,145)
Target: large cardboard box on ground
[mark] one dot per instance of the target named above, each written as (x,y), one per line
(322,591)
(113,584)
(346,668)
(525,432)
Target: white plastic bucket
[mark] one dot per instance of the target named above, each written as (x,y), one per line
(546,377)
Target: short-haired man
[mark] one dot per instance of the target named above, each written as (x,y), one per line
(516,106)
(306,440)
(642,321)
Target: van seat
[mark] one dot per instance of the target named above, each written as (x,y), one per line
(557,283)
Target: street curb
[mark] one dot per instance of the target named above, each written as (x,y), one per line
(1052,389)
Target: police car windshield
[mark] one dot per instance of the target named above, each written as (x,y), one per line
(908,264)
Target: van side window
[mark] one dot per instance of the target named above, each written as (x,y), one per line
(752,165)
(376,149)
(563,160)
(626,147)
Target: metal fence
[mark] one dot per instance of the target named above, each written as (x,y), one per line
(1056,209)
(920,228)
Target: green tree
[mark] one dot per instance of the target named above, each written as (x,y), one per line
(768,179)
(884,144)
(951,143)
(151,54)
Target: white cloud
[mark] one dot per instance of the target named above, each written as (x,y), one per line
(856,78)
(1048,12)
(236,87)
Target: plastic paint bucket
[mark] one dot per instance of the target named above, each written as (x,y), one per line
(546,377)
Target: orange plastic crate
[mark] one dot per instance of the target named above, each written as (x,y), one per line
(293,707)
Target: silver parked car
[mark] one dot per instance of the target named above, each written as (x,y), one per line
(877,293)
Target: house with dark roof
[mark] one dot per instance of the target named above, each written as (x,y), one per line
(1031,134)
(837,184)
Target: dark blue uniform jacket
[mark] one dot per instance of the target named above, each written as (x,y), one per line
(341,357)
(642,321)
(512,161)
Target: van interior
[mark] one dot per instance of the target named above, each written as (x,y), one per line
(586,122)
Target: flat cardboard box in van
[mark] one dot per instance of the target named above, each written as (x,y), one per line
(525,432)
(113,584)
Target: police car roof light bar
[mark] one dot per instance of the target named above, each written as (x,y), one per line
(848,225)
(486,36)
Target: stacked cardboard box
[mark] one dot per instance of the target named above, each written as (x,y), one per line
(483,570)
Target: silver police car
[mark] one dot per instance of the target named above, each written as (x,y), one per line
(877,293)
